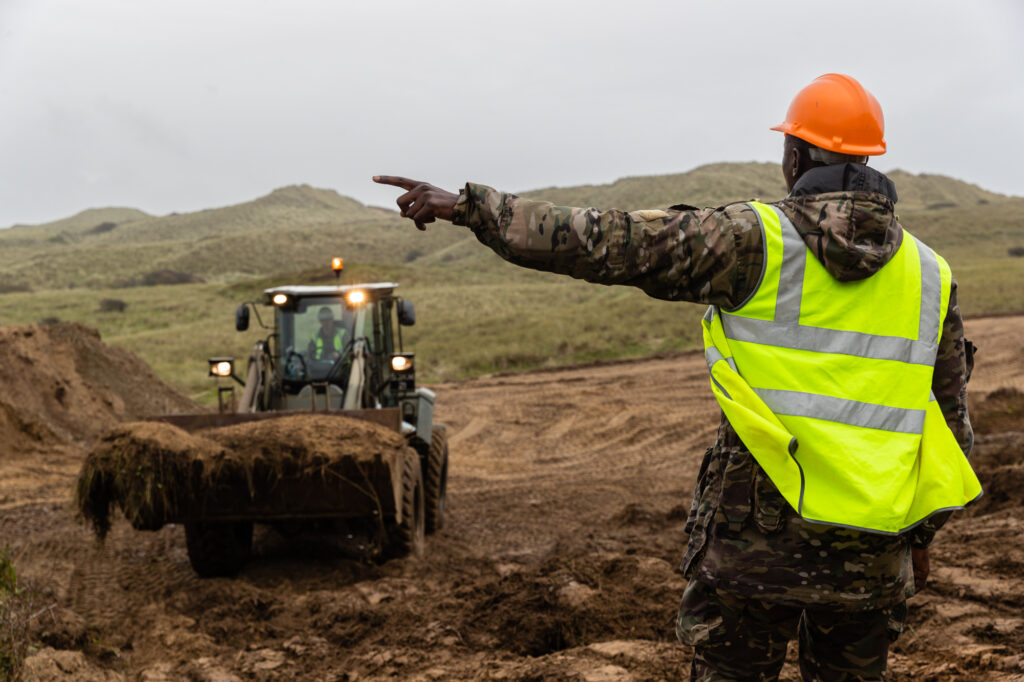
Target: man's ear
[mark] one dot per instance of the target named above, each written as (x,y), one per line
(790,165)
(795,161)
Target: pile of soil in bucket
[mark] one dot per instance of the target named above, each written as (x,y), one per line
(156,472)
(63,386)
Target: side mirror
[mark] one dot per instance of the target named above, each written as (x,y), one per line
(406,313)
(242,318)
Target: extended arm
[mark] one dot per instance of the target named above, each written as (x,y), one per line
(707,256)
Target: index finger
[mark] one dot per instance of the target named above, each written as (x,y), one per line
(404,183)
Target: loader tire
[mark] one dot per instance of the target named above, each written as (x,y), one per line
(435,479)
(407,536)
(218,549)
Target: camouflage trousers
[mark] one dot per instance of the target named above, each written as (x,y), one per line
(736,638)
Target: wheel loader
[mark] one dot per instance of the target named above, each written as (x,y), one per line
(335,351)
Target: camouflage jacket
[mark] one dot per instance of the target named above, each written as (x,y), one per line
(743,536)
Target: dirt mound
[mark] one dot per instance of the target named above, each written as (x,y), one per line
(998,456)
(586,590)
(998,459)
(63,385)
(156,472)
(1000,410)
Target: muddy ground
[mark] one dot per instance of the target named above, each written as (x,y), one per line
(567,497)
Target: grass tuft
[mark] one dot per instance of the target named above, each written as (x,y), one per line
(15,608)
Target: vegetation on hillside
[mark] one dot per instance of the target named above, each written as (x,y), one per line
(477,313)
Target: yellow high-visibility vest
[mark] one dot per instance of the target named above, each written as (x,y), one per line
(318,340)
(828,384)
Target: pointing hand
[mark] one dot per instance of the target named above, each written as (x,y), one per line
(422,202)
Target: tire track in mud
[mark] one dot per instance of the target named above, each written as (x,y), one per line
(557,454)
(609,426)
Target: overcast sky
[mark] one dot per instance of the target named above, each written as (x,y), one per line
(189,104)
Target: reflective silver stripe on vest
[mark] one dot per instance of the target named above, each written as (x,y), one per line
(822,340)
(791,273)
(712,355)
(852,412)
(931,295)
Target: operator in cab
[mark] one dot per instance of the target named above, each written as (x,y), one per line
(326,343)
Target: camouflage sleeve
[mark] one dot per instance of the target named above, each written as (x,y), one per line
(705,256)
(953,367)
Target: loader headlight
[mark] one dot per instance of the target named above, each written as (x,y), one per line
(403,376)
(355,297)
(221,367)
(280,299)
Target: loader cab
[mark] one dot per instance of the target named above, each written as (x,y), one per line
(314,359)
(311,343)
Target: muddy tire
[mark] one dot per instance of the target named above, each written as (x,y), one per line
(435,480)
(408,536)
(218,549)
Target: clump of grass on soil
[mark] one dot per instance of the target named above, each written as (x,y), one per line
(146,468)
(157,473)
(14,619)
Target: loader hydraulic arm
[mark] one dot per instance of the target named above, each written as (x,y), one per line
(256,384)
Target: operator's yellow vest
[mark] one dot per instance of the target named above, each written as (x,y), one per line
(828,384)
(319,341)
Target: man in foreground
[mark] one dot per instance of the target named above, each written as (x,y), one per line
(836,351)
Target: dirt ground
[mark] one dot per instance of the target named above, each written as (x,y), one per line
(567,496)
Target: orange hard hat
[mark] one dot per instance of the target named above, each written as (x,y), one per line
(836,113)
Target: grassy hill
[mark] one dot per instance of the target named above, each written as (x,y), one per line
(83,221)
(293,228)
(288,230)
(711,185)
(477,313)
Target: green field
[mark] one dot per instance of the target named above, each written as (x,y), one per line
(470,322)
(477,314)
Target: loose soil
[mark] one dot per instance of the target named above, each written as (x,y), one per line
(567,496)
(157,472)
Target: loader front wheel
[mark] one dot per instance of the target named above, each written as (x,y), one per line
(407,536)
(435,479)
(218,549)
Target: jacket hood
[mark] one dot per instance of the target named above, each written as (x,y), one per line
(845,213)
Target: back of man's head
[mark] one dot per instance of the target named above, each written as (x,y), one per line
(816,156)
